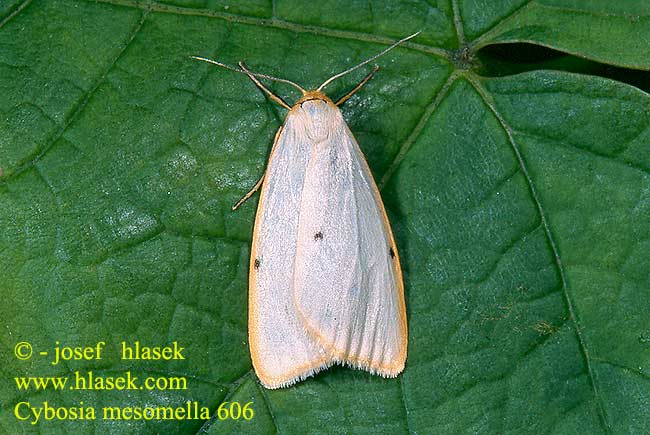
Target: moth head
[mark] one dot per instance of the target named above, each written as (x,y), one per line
(316,112)
(313,96)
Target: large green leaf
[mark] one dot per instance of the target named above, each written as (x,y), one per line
(521,207)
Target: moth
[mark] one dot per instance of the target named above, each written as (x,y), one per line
(325,282)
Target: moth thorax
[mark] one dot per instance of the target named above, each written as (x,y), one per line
(318,116)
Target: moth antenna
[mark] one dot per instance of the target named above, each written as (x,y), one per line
(367,61)
(259,84)
(247,72)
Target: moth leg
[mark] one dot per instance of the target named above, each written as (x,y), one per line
(250,193)
(259,84)
(261,180)
(347,96)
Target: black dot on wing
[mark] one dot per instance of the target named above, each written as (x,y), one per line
(391,251)
(318,236)
(257,263)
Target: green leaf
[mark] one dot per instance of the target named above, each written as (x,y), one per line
(520,205)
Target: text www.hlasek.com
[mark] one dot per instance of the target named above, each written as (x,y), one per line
(91,381)
(37,411)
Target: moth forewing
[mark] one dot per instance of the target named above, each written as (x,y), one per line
(348,287)
(281,349)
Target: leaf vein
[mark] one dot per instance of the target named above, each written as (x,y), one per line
(15,12)
(278,24)
(406,409)
(623,367)
(479,42)
(458,23)
(601,14)
(232,389)
(415,133)
(575,147)
(83,102)
(267,403)
(549,236)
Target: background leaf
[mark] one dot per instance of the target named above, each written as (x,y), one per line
(520,203)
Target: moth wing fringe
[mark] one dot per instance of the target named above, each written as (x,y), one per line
(344,362)
(301,377)
(324,366)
